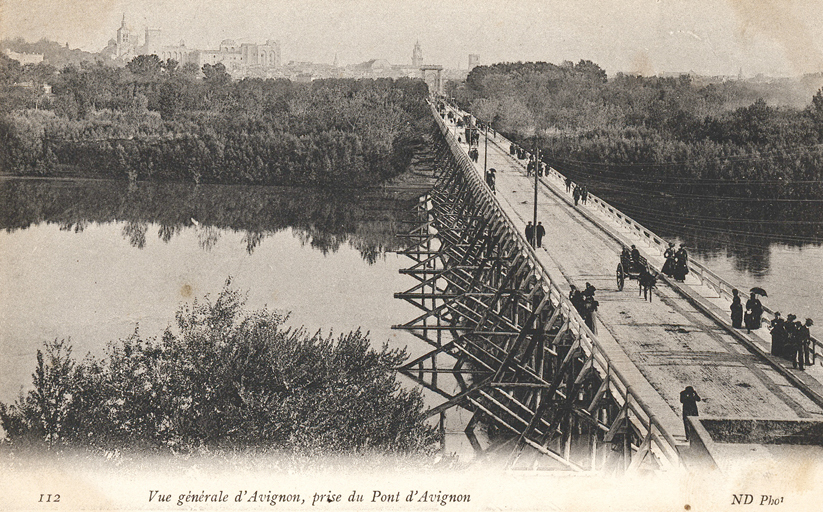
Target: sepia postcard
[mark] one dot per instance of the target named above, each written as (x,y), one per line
(407,255)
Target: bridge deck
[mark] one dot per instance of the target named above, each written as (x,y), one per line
(662,346)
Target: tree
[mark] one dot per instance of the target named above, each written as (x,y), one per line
(146,66)
(216,74)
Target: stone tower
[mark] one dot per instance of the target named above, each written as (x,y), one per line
(125,42)
(474,61)
(417,55)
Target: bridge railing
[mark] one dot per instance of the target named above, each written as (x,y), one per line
(619,386)
(705,275)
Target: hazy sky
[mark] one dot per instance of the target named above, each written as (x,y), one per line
(775,37)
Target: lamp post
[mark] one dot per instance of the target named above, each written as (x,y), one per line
(486,156)
(535,170)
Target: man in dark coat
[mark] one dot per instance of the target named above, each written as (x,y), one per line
(530,233)
(539,233)
(804,340)
(635,255)
(790,326)
(576,195)
(807,340)
(689,399)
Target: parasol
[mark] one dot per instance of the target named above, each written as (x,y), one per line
(759,291)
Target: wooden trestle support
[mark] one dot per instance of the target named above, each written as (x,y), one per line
(524,363)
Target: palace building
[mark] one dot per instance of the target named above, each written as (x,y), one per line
(242,58)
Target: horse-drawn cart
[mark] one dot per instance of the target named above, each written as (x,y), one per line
(631,267)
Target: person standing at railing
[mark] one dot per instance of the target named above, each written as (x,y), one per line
(796,342)
(805,338)
(584,194)
(668,266)
(589,306)
(681,264)
(754,313)
(568,184)
(778,331)
(737,310)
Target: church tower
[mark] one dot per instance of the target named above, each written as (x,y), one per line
(124,40)
(417,55)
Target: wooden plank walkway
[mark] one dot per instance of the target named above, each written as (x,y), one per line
(662,346)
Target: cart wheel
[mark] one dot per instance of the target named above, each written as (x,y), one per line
(621,277)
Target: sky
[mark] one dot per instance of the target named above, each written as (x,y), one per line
(711,37)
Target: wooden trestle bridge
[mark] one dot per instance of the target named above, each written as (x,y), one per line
(507,345)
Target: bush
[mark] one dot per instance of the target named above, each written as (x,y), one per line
(223,379)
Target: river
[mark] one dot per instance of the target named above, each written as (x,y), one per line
(93,260)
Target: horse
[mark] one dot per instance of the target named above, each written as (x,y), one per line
(647,282)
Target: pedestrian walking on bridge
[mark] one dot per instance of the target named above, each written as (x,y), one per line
(530,233)
(539,233)
(689,399)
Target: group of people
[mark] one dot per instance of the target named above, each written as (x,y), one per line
(580,193)
(532,165)
(472,137)
(473,154)
(792,340)
(535,234)
(754,312)
(677,262)
(517,151)
(584,303)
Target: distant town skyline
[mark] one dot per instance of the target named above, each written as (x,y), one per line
(710,37)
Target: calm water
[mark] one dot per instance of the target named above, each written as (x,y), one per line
(94,260)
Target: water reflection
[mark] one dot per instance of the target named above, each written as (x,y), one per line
(322,219)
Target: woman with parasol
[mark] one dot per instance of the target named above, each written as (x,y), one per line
(754,309)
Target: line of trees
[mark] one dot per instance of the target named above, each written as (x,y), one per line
(225,379)
(656,131)
(159,121)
